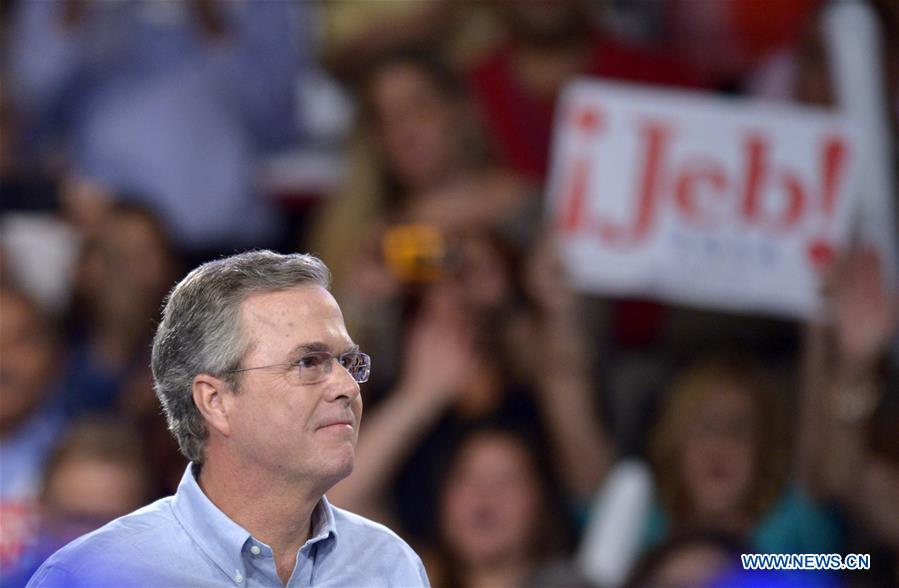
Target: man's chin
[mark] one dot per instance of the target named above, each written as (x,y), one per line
(339,467)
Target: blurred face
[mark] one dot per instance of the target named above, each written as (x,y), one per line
(719,452)
(292,429)
(482,282)
(415,126)
(539,21)
(491,503)
(28,360)
(84,493)
(486,277)
(129,268)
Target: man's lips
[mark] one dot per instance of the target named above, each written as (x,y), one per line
(337,423)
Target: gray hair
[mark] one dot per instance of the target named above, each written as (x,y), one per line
(201,332)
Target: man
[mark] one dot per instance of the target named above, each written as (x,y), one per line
(259,381)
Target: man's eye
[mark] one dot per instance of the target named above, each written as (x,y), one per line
(310,361)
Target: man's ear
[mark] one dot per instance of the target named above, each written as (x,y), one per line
(212,397)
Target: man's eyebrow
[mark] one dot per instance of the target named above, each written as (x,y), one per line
(315,346)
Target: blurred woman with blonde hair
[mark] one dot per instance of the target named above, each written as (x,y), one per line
(721,457)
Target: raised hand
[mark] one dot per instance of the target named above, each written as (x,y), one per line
(545,280)
(864,312)
(440,356)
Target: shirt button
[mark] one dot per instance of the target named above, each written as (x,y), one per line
(238,577)
(255,550)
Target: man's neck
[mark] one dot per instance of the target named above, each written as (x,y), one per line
(277,514)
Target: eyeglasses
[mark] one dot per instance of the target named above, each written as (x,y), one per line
(315,366)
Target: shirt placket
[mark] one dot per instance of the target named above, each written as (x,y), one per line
(260,565)
(302,571)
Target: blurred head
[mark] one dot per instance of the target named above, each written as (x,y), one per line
(97,473)
(482,277)
(696,559)
(203,330)
(415,104)
(127,266)
(540,22)
(719,448)
(28,349)
(494,502)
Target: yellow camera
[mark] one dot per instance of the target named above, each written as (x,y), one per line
(417,252)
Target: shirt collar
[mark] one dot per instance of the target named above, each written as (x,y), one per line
(217,535)
(221,538)
(323,524)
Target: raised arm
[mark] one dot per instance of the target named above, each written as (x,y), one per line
(566,390)
(842,383)
(439,358)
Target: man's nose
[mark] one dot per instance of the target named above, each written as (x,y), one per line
(343,385)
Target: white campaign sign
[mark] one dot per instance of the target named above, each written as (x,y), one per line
(700,200)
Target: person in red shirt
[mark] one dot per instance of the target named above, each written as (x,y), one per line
(516,86)
(548,43)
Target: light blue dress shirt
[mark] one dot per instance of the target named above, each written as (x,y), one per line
(185,540)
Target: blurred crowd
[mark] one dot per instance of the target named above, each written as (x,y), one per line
(516,432)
